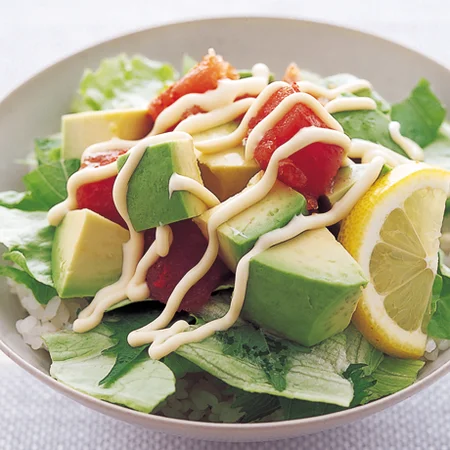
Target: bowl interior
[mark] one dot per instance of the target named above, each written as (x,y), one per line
(34,110)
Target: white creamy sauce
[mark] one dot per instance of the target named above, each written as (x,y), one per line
(237,136)
(225,94)
(367,151)
(280,111)
(179,182)
(350,104)
(220,107)
(87,175)
(205,121)
(330,94)
(137,288)
(412,149)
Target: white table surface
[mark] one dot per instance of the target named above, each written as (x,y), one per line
(35,33)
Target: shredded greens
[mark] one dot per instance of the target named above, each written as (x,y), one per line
(122,82)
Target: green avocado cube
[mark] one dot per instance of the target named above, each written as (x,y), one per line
(81,130)
(227,172)
(238,235)
(305,289)
(346,178)
(148,199)
(87,254)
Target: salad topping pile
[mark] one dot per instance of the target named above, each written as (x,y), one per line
(264,215)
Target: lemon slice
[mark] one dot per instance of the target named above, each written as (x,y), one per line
(393,232)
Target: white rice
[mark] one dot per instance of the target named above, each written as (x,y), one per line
(57,315)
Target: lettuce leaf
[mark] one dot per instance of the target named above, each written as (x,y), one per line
(363,360)
(344,78)
(255,407)
(46,186)
(439,324)
(21,200)
(29,239)
(121,325)
(393,375)
(42,292)
(313,376)
(300,409)
(48,150)
(79,362)
(122,82)
(370,125)
(48,182)
(420,115)
(438,152)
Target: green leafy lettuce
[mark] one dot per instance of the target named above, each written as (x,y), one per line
(438,152)
(21,200)
(420,115)
(130,319)
(42,292)
(122,82)
(28,238)
(48,182)
(370,125)
(313,376)
(344,78)
(393,375)
(48,150)
(255,407)
(439,324)
(79,361)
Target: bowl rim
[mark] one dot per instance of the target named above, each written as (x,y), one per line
(164,423)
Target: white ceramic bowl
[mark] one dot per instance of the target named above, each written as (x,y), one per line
(35,108)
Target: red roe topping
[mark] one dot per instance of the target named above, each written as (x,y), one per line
(309,171)
(201,78)
(187,249)
(97,196)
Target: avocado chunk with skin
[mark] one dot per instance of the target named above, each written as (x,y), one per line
(148,199)
(347,177)
(224,173)
(238,235)
(81,130)
(305,289)
(87,254)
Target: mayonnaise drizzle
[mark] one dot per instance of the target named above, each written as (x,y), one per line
(133,250)
(367,151)
(350,104)
(225,94)
(412,149)
(205,121)
(137,288)
(280,111)
(87,175)
(227,210)
(179,182)
(330,94)
(236,137)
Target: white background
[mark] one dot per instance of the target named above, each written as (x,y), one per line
(35,33)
